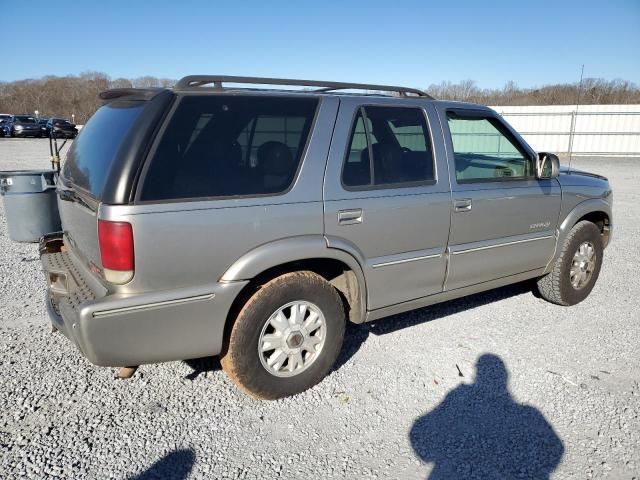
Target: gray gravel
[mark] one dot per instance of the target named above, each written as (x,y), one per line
(395,405)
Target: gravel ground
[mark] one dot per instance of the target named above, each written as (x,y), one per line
(500,384)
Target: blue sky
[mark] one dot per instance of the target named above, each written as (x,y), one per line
(414,43)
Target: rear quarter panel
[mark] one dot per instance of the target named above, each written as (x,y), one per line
(188,243)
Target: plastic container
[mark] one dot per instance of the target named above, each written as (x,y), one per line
(30,203)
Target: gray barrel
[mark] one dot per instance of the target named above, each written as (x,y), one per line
(30,203)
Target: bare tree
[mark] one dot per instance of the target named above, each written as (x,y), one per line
(63,97)
(594,91)
(78,94)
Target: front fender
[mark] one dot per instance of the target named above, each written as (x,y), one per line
(583,208)
(280,252)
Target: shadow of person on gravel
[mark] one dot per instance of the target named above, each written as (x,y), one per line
(174,466)
(479,431)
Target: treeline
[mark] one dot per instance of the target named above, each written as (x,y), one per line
(593,91)
(78,95)
(66,96)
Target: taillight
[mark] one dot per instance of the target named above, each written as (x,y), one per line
(116,250)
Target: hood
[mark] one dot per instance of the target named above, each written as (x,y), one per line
(565,171)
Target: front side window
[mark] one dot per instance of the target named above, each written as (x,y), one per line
(484,150)
(388,146)
(222,146)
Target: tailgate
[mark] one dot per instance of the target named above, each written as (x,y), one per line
(92,158)
(79,219)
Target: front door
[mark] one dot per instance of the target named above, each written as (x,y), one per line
(387,196)
(503,218)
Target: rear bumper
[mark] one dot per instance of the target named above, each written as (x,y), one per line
(65,134)
(124,330)
(27,133)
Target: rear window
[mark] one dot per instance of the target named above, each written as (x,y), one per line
(92,152)
(225,146)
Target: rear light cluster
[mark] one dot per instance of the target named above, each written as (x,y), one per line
(116,250)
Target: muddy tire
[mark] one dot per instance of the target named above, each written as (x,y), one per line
(286,337)
(577,268)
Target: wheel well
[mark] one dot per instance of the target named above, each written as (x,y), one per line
(601,219)
(334,271)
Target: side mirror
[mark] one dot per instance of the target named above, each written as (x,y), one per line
(547,165)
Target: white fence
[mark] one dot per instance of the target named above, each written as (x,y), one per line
(589,130)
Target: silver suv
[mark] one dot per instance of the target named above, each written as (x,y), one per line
(253,224)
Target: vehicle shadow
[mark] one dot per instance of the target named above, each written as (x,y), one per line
(201,366)
(174,466)
(356,335)
(479,431)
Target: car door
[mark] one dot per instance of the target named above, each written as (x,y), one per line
(387,198)
(503,219)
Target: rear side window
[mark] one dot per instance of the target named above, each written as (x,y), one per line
(388,146)
(222,146)
(92,152)
(485,150)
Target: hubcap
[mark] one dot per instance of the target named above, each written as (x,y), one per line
(582,265)
(292,338)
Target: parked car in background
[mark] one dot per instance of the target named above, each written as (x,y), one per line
(4,121)
(253,224)
(42,121)
(62,128)
(22,126)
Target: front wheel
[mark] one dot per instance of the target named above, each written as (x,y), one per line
(287,336)
(577,268)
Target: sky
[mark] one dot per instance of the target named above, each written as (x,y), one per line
(412,43)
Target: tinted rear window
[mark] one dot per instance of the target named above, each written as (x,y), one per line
(221,146)
(92,152)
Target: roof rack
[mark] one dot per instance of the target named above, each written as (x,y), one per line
(191,81)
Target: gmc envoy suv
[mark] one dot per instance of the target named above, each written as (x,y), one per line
(215,218)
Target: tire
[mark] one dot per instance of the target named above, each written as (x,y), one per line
(248,367)
(557,287)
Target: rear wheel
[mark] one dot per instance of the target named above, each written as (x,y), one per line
(287,336)
(577,268)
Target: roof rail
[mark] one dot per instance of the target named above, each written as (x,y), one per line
(191,81)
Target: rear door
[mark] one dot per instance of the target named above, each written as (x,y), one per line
(387,197)
(503,218)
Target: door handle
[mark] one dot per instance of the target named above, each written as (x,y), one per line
(350,217)
(462,205)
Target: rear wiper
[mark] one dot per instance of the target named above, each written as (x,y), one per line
(72,196)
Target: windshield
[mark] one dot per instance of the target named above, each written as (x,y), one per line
(25,119)
(91,154)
